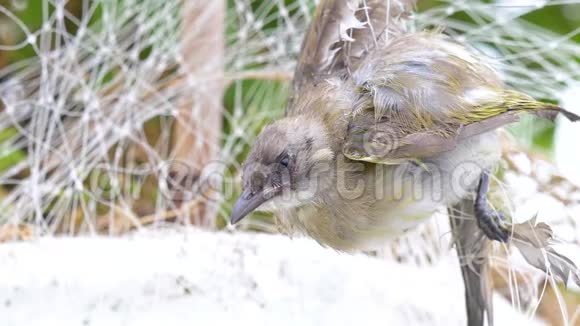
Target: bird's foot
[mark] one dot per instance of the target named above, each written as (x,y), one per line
(489,221)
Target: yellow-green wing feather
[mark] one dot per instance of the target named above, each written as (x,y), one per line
(423,94)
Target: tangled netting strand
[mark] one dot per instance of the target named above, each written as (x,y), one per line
(81,103)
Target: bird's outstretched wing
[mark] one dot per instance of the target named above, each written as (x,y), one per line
(535,241)
(341,34)
(421,94)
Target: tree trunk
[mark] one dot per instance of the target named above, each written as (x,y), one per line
(198,127)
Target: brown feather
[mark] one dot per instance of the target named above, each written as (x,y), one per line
(473,253)
(534,241)
(341,34)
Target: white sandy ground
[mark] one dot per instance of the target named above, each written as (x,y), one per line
(191,277)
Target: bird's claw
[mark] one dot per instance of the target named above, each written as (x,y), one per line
(490,223)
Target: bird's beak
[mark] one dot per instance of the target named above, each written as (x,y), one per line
(246,204)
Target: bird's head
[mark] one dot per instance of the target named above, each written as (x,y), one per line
(285,164)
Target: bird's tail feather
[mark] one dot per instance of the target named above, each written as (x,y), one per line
(473,253)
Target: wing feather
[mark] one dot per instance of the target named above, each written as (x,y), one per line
(341,34)
(422,94)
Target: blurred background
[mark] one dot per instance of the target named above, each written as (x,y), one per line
(110,109)
(125,116)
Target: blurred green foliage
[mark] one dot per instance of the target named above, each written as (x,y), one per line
(562,19)
(9,156)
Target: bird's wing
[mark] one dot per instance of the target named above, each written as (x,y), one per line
(416,97)
(473,253)
(421,94)
(342,32)
(387,143)
(535,241)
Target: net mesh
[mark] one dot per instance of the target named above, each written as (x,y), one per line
(91,99)
(86,120)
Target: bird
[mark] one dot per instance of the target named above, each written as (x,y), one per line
(384,127)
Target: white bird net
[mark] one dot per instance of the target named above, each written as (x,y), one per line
(88,116)
(87,120)
(103,103)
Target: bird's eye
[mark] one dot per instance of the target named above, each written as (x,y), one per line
(285,161)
